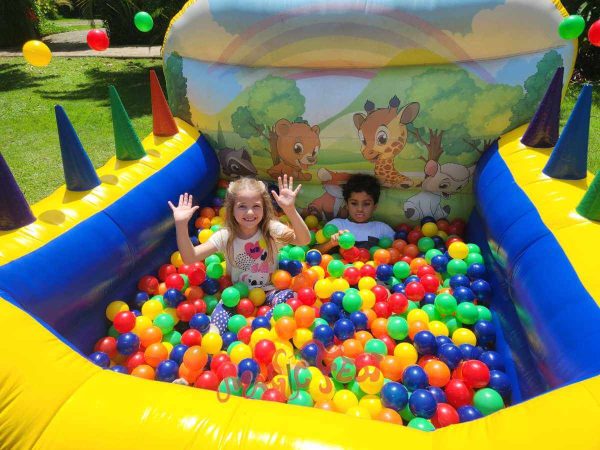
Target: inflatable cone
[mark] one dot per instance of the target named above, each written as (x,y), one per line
(589,207)
(163,123)
(127,143)
(568,160)
(543,128)
(79,170)
(14,210)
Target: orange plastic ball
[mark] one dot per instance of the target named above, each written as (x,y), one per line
(325,260)
(352,348)
(437,372)
(285,327)
(379,327)
(195,358)
(391,367)
(389,415)
(363,337)
(202,223)
(326,405)
(155,354)
(150,335)
(194,292)
(188,374)
(411,250)
(415,326)
(281,279)
(417,263)
(305,316)
(371,316)
(207,212)
(162,288)
(382,256)
(143,371)
(331,353)
(395,255)
(301,281)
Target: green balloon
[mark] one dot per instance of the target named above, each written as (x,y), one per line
(474,258)
(376,346)
(343,369)
(431,312)
(351,301)
(214,270)
(457,266)
(418,423)
(431,254)
(354,387)
(230,297)
(346,240)
(143,21)
(473,248)
(174,337)
(445,304)
(401,270)
(301,378)
(571,27)
(214,258)
(397,327)
(297,253)
(467,313)
(335,268)
(211,303)
(165,322)
(425,244)
(231,386)
(282,310)
(236,323)
(300,398)
(488,401)
(329,230)
(242,288)
(385,242)
(484,313)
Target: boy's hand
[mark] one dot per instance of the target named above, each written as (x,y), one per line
(334,239)
(184,211)
(287,194)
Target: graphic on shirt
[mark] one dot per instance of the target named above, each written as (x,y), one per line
(252,261)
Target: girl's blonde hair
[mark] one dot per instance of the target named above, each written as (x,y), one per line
(254,185)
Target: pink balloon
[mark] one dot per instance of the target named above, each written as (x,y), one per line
(594,33)
(97,40)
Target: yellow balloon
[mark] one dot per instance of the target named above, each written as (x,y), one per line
(464,336)
(344,400)
(357,411)
(37,53)
(339,284)
(152,308)
(257,296)
(301,337)
(417,314)
(141,323)
(366,283)
(371,403)
(438,328)
(321,388)
(204,235)
(114,308)
(406,353)
(458,250)
(211,343)
(368,298)
(240,352)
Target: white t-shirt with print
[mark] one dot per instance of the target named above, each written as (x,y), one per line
(368,232)
(249,262)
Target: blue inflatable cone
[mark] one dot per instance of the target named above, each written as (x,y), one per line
(542,131)
(127,142)
(568,160)
(79,170)
(14,209)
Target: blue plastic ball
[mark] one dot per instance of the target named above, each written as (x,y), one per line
(200,322)
(248,370)
(438,394)
(261,322)
(470,352)
(324,334)
(310,353)
(422,403)
(384,272)
(119,369)
(485,332)
(360,320)
(425,343)
(476,270)
(428,299)
(414,377)
(411,278)
(438,241)
(140,299)
(398,289)
(128,343)
(194,239)
(210,286)
(401,235)
(343,329)
(482,290)
(459,280)
(337,297)
(492,359)
(394,395)
(178,352)
(284,264)
(173,297)
(500,382)
(101,359)
(228,337)
(294,267)
(167,370)
(330,312)
(467,413)
(136,312)
(442,340)
(439,263)
(450,355)
(463,294)
(313,257)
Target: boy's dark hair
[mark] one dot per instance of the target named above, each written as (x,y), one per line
(362,182)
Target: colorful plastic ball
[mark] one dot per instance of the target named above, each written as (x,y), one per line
(425,343)
(128,343)
(394,396)
(101,359)
(488,401)
(344,400)
(257,296)
(457,266)
(207,380)
(464,336)
(376,346)
(422,403)
(370,380)
(469,351)
(594,33)
(324,334)
(167,371)
(571,27)
(482,290)
(437,372)
(155,353)
(214,271)
(468,413)
(384,272)
(124,321)
(324,288)
(397,327)
(329,230)
(467,313)
(230,386)
(343,329)
(439,263)
(107,345)
(114,308)
(313,257)
(37,53)
(352,301)
(500,382)
(444,416)
(492,359)
(282,310)
(248,370)
(458,393)
(236,323)
(438,394)
(230,297)
(485,331)
(143,21)
(414,377)
(463,294)
(446,304)
(388,415)
(346,240)
(406,354)
(119,369)
(475,373)
(143,371)
(211,342)
(343,369)
(300,398)
(97,40)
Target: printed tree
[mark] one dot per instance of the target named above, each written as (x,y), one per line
(177,87)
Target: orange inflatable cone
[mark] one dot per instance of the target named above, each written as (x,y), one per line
(163,123)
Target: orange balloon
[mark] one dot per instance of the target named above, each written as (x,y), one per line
(305,316)
(150,335)
(389,415)
(143,371)
(352,348)
(188,374)
(438,373)
(379,327)
(281,279)
(195,358)
(285,327)
(371,316)
(416,263)
(415,326)
(194,292)
(325,260)
(399,244)
(391,367)
(382,256)
(363,337)
(155,354)
(411,250)
(326,405)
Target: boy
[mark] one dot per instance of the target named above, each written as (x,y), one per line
(361,194)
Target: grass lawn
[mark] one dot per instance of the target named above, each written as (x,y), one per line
(64,25)
(28,127)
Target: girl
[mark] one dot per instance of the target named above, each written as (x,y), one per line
(250,239)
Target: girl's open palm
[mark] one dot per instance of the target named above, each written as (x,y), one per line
(287,194)
(184,211)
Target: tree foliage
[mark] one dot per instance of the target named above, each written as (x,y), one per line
(177,87)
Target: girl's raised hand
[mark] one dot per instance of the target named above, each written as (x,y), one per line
(184,211)
(287,194)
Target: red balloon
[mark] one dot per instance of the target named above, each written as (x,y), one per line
(364,254)
(415,291)
(430,283)
(594,33)
(196,276)
(445,415)
(352,275)
(264,351)
(124,321)
(148,284)
(174,281)
(307,296)
(381,293)
(382,309)
(273,395)
(227,369)
(135,360)
(245,307)
(458,393)
(217,360)
(207,380)
(107,345)
(397,303)
(475,373)
(98,40)
(368,270)
(191,337)
(244,334)
(185,311)
(166,270)
(199,306)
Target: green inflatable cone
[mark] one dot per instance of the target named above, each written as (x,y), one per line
(589,207)
(127,143)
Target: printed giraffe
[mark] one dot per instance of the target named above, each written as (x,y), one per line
(383,135)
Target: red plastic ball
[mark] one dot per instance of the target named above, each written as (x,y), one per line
(415,291)
(135,360)
(368,271)
(97,40)
(351,255)
(294,303)
(191,337)
(174,281)
(594,33)
(307,296)
(124,321)
(245,307)
(382,309)
(389,343)
(184,269)
(425,270)
(264,351)
(381,293)
(458,393)
(227,369)
(225,282)
(196,276)
(199,306)
(352,275)
(443,225)
(397,303)
(475,374)
(273,395)
(207,380)
(263,310)
(185,311)
(445,415)
(166,270)
(430,283)
(107,345)
(217,360)
(407,259)
(425,359)
(148,284)
(366,359)
(244,334)
(414,236)
(365,255)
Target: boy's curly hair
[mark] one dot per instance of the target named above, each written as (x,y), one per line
(362,182)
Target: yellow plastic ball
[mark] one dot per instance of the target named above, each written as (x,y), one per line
(37,53)
(458,250)
(368,298)
(257,296)
(141,323)
(442,234)
(320,237)
(281,383)
(223,212)
(371,403)
(438,328)
(370,379)
(339,284)
(417,314)
(211,343)
(357,411)
(406,353)
(344,400)
(464,336)
(173,313)
(168,346)
(176,259)
(319,271)
(358,264)
(429,229)
(217,220)
(311,221)
(114,308)
(240,352)
(152,308)
(301,337)
(258,335)
(321,388)
(366,283)
(324,288)
(204,235)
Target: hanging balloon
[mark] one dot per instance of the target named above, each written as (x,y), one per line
(37,53)
(97,40)
(594,33)
(143,21)
(571,27)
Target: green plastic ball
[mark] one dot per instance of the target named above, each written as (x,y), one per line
(385,242)
(418,423)
(318,321)
(329,230)
(236,323)
(431,312)
(256,391)
(161,299)
(431,254)
(373,249)
(143,21)
(484,313)
(214,270)
(215,228)
(473,248)
(457,266)
(282,310)
(231,386)
(297,254)
(406,414)
(165,322)
(174,338)
(488,401)
(351,301)
(343,369)
(401,269)
(397,327)
(112,332)
(242,288)
(211,303)
(445,304)
(474,258)
(467,313)
(300,398)
(452,323)
(376,346)
(354,387)
(230,297)
(214,258)
(425,244)
(335,268)
(301,378)
(186,281)
(346,240)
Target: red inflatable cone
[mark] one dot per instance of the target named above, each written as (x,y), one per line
(162,119)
